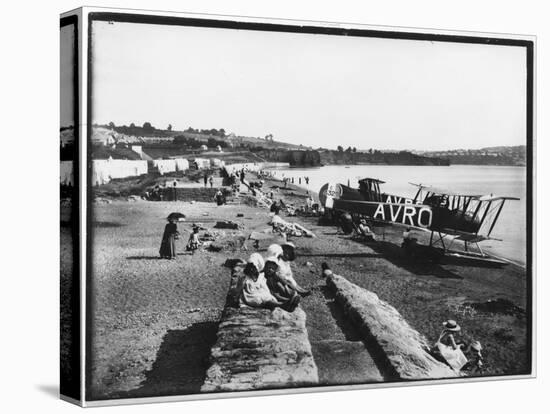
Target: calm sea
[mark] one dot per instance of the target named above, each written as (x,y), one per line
(468,179)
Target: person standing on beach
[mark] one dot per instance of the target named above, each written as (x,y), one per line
(211,180)
(205,180)
(219,198)
(300,180)
(307,180)
(168,244)
(309,203)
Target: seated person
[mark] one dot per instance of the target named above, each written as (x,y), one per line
(280,288)
(363,231)
(284,254)
(475,359)
(408,240)
(255,292)
(447,349)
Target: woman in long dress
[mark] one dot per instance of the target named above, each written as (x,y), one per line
(168,244)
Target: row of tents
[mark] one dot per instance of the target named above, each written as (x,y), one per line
(104,170)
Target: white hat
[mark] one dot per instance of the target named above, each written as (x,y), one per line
(274,251)
(257,260)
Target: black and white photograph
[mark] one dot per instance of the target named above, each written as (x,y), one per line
(274,206)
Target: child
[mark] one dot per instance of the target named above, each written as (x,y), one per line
(194,242)
(255,292)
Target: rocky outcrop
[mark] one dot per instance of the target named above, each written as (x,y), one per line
(259,348)
(405,349)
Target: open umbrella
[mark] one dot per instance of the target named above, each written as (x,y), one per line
(176,216)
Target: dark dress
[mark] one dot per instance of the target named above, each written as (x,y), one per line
(168,244)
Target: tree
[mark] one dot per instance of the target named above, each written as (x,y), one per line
(147,126)
(348,149)
(132,125)
(340,148)
(354,149)
(370,151)
(169,128)
(112,125)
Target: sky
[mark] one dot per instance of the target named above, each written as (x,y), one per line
(315,90)
(66,71)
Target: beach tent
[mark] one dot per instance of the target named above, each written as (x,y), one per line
(104,171)
(181,164)
(165,166)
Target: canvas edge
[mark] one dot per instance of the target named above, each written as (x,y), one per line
(83,13)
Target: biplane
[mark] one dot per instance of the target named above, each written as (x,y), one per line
(449,216)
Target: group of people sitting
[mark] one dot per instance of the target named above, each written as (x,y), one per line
(270,283)
(454,352)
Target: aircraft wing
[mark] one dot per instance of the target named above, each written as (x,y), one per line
(495,198)
(443,191)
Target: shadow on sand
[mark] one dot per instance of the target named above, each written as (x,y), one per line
(419,265)
(181,363)
(350,255)
(144,258)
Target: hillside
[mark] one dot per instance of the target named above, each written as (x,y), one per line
(379,157)
(148,134)
(502,155)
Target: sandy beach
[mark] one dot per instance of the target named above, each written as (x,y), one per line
(153,321)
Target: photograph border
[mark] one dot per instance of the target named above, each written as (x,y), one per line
(309,27)
(74,390)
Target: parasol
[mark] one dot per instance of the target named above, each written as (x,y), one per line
(176,216)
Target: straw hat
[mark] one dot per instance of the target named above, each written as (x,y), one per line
(451,325)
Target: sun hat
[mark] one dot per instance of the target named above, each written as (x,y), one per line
(257,260)
(273,252)
(451,325)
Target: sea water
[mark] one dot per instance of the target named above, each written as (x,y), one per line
(511,226)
